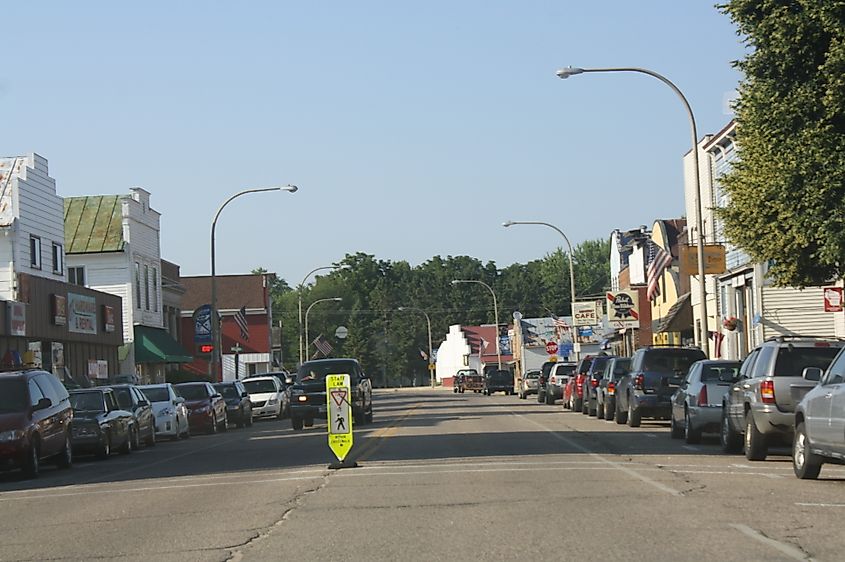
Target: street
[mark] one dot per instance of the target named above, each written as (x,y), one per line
(442,476)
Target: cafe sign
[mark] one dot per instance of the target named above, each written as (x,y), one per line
(82,314)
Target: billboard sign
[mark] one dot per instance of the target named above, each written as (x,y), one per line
(82,314)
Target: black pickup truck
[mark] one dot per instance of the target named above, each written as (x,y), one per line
(308,391)
(500,380)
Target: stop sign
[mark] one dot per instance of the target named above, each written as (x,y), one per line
(551,348)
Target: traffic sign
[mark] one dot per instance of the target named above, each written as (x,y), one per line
(338,394)
(551,348)
(341,332)
(432,367)
(833,299)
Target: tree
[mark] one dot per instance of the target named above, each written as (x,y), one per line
(787,191)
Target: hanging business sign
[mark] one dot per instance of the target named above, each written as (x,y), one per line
(623,309)
(59,310)
(108,319)
(585,314)
(16,311)
(82,314)
(202,324)
(714,259)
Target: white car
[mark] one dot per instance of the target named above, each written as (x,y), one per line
(169,410)
(265,393)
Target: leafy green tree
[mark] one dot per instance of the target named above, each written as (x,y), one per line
(787,191)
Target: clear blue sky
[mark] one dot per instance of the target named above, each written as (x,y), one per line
(412,129)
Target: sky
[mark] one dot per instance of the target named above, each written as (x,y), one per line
(412,129)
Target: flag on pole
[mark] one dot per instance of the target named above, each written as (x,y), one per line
(322,345)
(662,259)
(423,354)
(240,320)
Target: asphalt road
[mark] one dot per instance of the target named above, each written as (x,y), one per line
(441,477)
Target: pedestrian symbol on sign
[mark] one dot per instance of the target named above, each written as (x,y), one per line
(339,417)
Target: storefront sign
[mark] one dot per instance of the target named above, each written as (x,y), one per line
(16,311)
(586,314)
(58,355)
(202,324)
(833,299)
(108,318)
(59,310)
(98,369)
(623,309)
(714,259)
(82,314)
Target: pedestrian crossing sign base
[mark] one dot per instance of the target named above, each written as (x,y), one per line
(343,464)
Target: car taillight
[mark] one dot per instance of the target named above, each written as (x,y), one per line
(594,383)
(639,382)
(767,392)
(611,388)
(553,380)
(702,397)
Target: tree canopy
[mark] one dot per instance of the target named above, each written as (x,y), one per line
(787,191)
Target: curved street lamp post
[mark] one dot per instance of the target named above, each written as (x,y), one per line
(215,327)
(318,301)
(571,274)
(495,313)
(301,286)
(564,73)
(430,356)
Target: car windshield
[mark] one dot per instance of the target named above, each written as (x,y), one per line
(598,366)
(565,370)
(671,360)
(87,402)
(533,375)
(259,386)
(157,394)
(792,361)
(193,392)
(547,368)
(468,373)
(315,372)
(228,391)
(123,398)
(12,396)
(727,372)
(621,368)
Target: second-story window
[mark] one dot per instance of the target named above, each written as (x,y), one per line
(58,259)
(147,287)
(35,252)
(155,289)
(138,285)
(76,275)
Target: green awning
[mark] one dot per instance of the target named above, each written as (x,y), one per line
(154,345)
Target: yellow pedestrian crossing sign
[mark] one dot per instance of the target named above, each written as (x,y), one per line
(338,395)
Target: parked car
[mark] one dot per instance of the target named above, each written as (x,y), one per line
(308,395)
(529,384)
(760,408)
(614,370)
(282,377)
(697,404)
(646,390)
(820,421)
(558,376)
(576,384)
(458,383)
(100,425)
(545,371)
(206,408)
(131,399)
(590,383)
(499,380)
(265,396)
(169,408)
(471,380)
(238,402)
(35,422)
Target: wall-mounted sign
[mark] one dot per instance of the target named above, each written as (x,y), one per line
(16,311)
(202,324)
(833,299)
(586,314)
(714,259)
(58,350)
(82,314)
(98,369)
(58,309)
(623,309)
(108,319)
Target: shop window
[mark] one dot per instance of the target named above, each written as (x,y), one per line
(35,252)
(58,259)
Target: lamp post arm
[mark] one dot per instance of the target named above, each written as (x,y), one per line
(299,290)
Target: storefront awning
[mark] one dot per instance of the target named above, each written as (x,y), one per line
(679,317)
(154,345)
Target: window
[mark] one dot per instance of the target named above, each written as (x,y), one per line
(836,372)
(58,259)
(35,393)
(35,252)
(147,287)
(76,275)
(138,285)
(155,289)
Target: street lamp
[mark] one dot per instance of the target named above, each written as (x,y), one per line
(318,301)
(699,219)
(571,273)
(430,351)
(495,312)
(301,286)
(215,328)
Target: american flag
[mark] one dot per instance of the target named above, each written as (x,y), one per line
(322,345)
(560,323)
(240,320)
(661,260)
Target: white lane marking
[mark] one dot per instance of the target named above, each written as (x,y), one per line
(690,448)
(784,548)
(618,466)
(820,504)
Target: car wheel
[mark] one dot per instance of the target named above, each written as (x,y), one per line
(621,416)
(577,404)
(634,416)
(136,439)
(455,390)
(65,457)
(213,425)
(105,447)
(131,438)
(805,463)
(249,419)
(541,396)
(281,413)
(151,440)
(309,422)
(585,405)
(756,448)
(675,431)
(225,424)
(730,440)
(692,435)
(296,422)
(33,462)
(550,399)
(599,411)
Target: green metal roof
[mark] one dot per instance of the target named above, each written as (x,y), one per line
(93,224)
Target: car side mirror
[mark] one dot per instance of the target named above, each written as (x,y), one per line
(244,394)
(216,395)
(143,403)
(179,400)
(42,404)
(288,380)
(812,374)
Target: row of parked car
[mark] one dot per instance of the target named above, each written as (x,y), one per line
(788,391)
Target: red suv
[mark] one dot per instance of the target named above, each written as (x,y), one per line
(35,421)
(573,394)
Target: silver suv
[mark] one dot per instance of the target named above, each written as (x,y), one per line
(759,408)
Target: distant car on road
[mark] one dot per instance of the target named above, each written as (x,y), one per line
(238,405)
(131,399)
(545,371)
(529,384)
(265,396)
(206,407)
(589,392)
(171,414)
(614,370)
(282,377)
(500,380)
(99,423)
(308,394)
(558,377)
(697,404)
